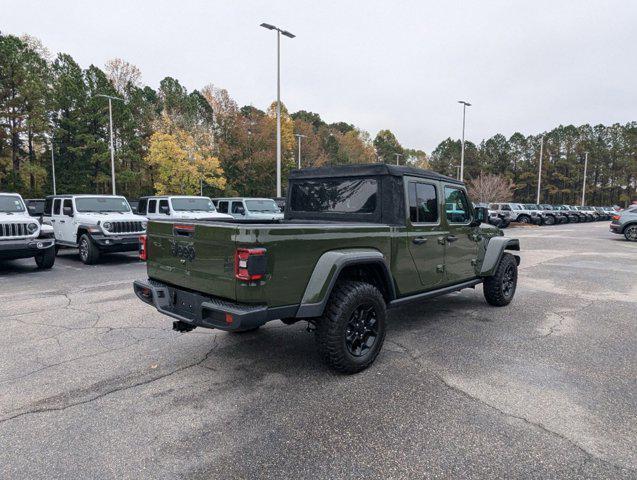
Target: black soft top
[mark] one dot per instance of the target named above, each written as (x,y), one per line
(369,169)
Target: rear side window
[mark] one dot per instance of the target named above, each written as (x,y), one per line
(141,206)
(163,204)
(68,203)
(152,206)
(423,203)
(358,196)
(222,207)
(237,207)
(56,206)
(48,206)
(456,205)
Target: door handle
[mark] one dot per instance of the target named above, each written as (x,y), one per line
(419,240)
(451,238)
(62,221)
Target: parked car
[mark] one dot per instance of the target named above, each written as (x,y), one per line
(183,207)
(603,214)
(21,235)
(591,215)
(548,217)
(356,240)
(518,213)
(625,223)
(95,224)
(499,220)
(560,215)
(574,213)
(244,208)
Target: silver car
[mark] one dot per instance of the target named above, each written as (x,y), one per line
(625,223)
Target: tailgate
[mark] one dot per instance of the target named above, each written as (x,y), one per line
(196,256)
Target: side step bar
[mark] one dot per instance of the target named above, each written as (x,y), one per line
(399,302)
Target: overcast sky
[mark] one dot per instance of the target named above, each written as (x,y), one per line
(526,66)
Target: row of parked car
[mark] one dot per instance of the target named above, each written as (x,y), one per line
(101,224)
(502,214)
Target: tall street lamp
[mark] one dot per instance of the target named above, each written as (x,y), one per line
(110,126)
(539,171)
(398,155)
(464,110)
(584,181)
(53,166)
(279,32)
(299,137)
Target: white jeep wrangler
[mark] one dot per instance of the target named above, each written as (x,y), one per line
(95,224)
(21,235)
(173,207)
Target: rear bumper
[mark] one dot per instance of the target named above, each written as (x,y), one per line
(615,228)
(14,249)
(204,311)
(116,243)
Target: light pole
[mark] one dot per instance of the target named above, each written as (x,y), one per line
(539,171)
(110,126)
(299,137)
(278,100)
(464,110)
(53,166)
(584,182)
(398,155)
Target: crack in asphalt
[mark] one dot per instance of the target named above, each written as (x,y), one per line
(114,390)
(539,426)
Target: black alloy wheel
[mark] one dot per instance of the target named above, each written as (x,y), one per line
(362,330)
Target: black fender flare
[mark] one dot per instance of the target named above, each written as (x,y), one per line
(494,252)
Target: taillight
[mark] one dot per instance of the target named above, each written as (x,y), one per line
(615,217)
(143,254)
(250,263)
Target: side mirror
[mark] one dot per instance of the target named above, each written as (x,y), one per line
(68,211)
(164,209)
(480,215)
(241,211)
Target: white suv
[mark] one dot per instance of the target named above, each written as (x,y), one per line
(179,208)
(21,235)
(94,224)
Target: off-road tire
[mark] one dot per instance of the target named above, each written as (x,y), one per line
(89,253)
(497,290)
(524,219)
(348,298)
(630,233)
(550,220)
(45,260)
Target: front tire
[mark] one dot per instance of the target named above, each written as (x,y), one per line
(499,289)
(46,259)
(550,220)
(524,219)
(89,254)
(630,233)
(351,332)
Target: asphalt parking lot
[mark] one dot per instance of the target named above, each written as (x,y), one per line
(95,384)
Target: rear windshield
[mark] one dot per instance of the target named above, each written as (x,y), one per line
(262,206)
(193,205)
(11,204)
(102,204)
(335,195)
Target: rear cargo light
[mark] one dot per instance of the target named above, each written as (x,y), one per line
(250,263)
(143,254)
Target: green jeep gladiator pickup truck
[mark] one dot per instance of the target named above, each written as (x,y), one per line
(355,241)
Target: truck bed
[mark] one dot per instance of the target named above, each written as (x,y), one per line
(201,256)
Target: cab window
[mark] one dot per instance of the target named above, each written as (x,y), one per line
(68,203)
(56,206)
(152,206)
(456,205)
(223,206)
(423,203)
(48,206)
(163,204)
